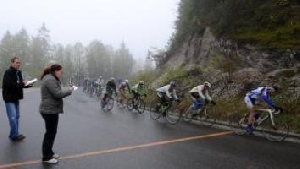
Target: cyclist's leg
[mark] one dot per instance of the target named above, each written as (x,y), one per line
(250,105)
(161,98)
(197,103)
(165,102)
(104,98)
(121,96)
(134,99)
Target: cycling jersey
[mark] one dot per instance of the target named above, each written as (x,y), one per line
(110,86)
(167,90)
(138,90)
(260,93)
(124,86)
(200,89)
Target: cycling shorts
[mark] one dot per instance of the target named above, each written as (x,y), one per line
(198,103)
(250,102)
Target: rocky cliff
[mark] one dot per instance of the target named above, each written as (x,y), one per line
(237,66)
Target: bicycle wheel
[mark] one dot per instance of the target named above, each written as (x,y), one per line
(209,115)
(154,113)
(188,114)
(141,106)
(173,115)
(275,133)
(130,104)
(238,124)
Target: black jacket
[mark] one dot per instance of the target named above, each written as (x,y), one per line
(12,88)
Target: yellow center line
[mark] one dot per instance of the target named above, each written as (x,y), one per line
(158,143)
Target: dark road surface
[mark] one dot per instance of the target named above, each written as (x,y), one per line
(89,138)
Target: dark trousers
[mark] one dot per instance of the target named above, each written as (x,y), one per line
(51,122)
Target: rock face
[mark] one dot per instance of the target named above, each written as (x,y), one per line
(239,66)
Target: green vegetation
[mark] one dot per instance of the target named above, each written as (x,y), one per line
(78,61)
(227,109)
(270,23)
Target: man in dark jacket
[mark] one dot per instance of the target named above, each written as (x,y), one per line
(12,92)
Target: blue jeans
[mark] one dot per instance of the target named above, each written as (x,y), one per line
(13,115)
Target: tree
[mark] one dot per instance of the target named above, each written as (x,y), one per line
(6,51)
(15,45)
(98,60)
(123,63)
(79,53)
(69,64)
(148,65)
(40,51)
(22,46)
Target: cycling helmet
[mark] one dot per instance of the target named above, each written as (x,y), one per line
(126,81)
(173,84)
(273,88)
(141,82)
(206,83)
(112,78)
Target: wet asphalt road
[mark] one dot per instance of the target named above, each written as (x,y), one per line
(88,138)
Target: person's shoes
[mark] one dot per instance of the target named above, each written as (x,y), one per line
(18,138)
(194,115)
(249,130)
(56,156)
(51,161)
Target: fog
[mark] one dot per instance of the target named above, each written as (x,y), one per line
(138,23)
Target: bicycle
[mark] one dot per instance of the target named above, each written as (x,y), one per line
(138,102)
(272,131)
(108,103)
(205,113)
(166,110)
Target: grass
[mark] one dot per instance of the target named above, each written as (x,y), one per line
(285,37)
(226,108)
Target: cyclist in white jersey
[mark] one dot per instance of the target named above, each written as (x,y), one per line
(200,95)
(167,92)
(255,98)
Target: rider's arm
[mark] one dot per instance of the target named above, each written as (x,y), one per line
(266,98)
(128,88)
(200,90)
(145,91)
(167,90)
(174,94)
(134,88)
(207,96)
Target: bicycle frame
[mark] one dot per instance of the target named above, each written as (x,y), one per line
(108,96)
(163,107)
(165,110)
(202,113)
(272,131)
(269,115)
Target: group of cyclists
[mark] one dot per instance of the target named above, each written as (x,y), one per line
(111,87)
(200,95)
(93,86)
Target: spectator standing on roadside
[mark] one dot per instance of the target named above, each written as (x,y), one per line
(51,106)
(12,93)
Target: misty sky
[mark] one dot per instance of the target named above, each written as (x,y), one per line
(139,23)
